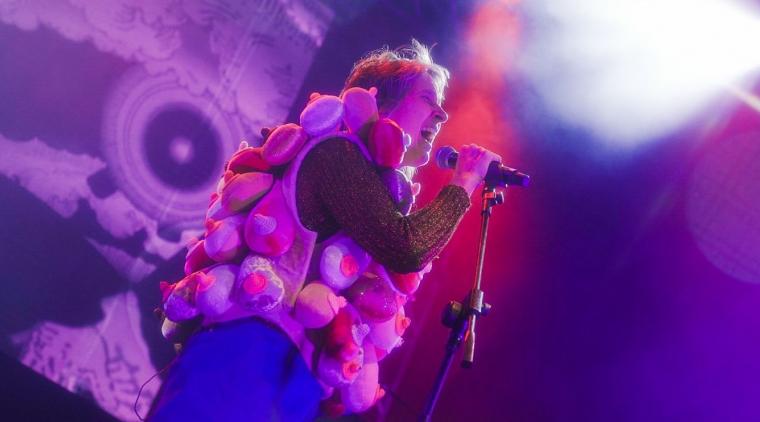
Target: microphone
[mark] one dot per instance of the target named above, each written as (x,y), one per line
(497,175)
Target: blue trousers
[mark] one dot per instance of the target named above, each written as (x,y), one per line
(245,370)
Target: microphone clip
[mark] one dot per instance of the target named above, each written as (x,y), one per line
(491,198)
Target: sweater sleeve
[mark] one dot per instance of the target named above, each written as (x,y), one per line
(349,188)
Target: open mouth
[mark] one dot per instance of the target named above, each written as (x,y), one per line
(428,135)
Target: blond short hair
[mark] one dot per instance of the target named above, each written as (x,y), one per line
(393,72)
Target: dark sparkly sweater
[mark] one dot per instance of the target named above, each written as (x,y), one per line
(338,188)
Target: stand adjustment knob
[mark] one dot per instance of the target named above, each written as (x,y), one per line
(451,313)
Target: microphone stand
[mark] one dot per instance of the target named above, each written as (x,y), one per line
(461,317)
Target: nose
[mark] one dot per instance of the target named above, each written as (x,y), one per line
(440,114)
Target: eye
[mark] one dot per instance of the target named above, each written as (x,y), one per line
(431,102)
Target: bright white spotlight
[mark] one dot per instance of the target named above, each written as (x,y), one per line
(632,70)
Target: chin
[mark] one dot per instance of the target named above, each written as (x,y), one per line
(416,160)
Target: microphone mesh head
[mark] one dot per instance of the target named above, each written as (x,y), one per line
(443,155)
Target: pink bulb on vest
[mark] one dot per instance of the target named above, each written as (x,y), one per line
(316,305)
(386,336)
(180,304)
(248,160)
(197,258)
(348,266)
(243,190)
(323,115)
(258,288)
(360,109)
(270,228)
(373,297)
(224,239)
(284,143)
(363,391)
(341,262)
(386,143)
(213,295)
(255,283)
(262,225)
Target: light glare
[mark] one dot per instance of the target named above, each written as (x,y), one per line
(635,70)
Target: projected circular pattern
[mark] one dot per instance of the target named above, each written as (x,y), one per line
(181,148)
(723,208)
(166,147)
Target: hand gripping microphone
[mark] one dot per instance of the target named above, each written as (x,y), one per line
(497,175)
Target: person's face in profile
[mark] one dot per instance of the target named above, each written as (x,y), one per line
(419,113)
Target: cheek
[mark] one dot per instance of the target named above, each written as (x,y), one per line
(413,148)
(417,153)
(410,117)
(408,123)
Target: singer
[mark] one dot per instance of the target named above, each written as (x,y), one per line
(249,361)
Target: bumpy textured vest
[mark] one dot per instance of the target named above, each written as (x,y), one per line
(341,309)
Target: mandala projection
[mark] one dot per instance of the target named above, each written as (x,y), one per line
(116,137)
(166,146)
